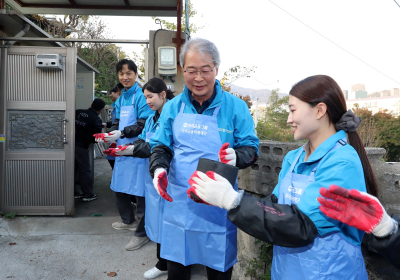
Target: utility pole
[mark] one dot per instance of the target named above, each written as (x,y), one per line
(256,117)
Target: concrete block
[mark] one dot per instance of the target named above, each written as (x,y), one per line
(262,176)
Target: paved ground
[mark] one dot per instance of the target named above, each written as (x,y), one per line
(78,247)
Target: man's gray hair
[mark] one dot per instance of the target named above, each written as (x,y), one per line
(203,47)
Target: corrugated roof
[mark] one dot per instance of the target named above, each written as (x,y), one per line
(162,8)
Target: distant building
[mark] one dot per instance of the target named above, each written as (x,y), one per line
(357,94)
(394,92)
(358,87)
(377,104)
(346,93)
(384,93)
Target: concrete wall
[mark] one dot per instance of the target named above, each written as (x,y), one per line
(261,178)
(164,38)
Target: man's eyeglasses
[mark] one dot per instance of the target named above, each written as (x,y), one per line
(205,72)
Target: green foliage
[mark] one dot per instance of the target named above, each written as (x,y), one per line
(272,124)
(380,130)
(139,60)
(103,57)
(260,268)
(106,98)
(233,74)
(8,216)
(193,28)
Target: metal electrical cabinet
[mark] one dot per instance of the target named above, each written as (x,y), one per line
(37,122)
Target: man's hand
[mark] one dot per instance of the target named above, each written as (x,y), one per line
(356,209)
(213,189)
(99,137)
(125,150)
(227,155)
(160,183)
(112,136)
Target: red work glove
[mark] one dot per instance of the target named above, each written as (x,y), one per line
(160,183)
(114,151)
(356,209)
(227,155)
(99,137)
(192,193)
(113,145)
(214,189)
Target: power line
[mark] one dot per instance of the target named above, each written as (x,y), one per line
(263,83)
(396,3)
(335,43)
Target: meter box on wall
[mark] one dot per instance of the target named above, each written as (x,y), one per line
(49,61)
(167,61)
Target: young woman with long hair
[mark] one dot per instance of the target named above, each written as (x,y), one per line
(307,243)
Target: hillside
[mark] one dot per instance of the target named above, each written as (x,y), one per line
(262,94)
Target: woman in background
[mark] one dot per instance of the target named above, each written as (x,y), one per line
(157,95)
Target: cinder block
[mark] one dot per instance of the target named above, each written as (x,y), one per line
(262,177)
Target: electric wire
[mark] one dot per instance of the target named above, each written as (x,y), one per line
(335,43)
(396,3)
(263,83)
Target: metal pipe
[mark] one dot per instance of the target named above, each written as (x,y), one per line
(178,28)
(21,33)
(187,13)
(107,41)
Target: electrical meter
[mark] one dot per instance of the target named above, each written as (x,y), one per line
(167,61)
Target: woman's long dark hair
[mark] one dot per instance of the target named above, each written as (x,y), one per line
(324,89)
(156,85)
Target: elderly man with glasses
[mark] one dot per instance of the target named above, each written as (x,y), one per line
(202,122)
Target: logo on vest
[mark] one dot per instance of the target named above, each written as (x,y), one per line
(224,130)
(193,128)
(295,200)
(292,192)
(295,190)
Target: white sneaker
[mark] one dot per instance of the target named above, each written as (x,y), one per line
(121,225)
(136,243)
(154,273)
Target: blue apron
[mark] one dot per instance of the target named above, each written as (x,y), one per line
(194,233)
(113,114)
(154,202)
(129,172)
(330,256)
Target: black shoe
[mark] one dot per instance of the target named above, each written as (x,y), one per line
(90,198)
(78,195)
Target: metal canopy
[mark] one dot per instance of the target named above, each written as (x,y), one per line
(162,8)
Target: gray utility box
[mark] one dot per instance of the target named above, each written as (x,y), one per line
(49,61)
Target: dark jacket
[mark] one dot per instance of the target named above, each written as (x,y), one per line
(388,247)
(278,224)
(87,123)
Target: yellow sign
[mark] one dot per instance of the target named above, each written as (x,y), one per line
(2,138)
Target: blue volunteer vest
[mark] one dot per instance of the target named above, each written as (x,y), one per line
(329,257)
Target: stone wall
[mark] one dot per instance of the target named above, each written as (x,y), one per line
(261,178)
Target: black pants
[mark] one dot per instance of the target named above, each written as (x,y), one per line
(125,209)
(162,264)
(83,174)
(111,162)
(177,271)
